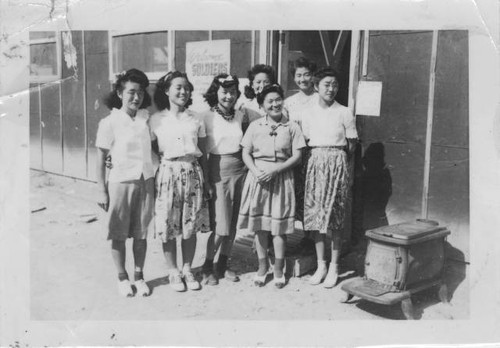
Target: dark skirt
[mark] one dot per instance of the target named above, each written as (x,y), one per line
(227,173)
(300,182)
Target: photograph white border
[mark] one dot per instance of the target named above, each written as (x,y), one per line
(19,17)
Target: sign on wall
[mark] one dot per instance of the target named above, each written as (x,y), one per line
(204,60)
(369,98)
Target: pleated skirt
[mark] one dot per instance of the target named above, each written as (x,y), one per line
(268,207)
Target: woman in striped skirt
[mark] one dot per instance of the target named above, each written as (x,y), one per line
(330,131)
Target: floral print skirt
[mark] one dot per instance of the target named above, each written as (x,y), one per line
(180,207)
(327,182)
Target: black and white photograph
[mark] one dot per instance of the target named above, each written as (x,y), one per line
(225,182)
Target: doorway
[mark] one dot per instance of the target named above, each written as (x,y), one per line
(326,48)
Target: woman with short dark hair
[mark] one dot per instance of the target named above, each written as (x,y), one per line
(128,193)
(271,148)
(330,131)
(259,76)
(298,107)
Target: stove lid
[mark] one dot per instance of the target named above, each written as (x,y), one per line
(407,230)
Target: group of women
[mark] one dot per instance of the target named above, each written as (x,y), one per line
(252,163)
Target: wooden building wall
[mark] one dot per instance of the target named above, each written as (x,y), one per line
(393,145)
(390,172)
(64,114)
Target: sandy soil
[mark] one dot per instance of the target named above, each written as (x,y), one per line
(73,278)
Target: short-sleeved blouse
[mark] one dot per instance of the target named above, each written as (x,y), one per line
(129,143)
(298,106)
(264,146)
(250,109)
(223,136)
(177,135)
(330,126)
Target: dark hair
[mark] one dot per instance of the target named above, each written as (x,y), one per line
(222,80)
(257,69)
(160,97)
(112,100)
(303,62)
(269,89)
(325,72)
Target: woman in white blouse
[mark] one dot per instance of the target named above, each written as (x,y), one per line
(298,107)
(259,76)
(127,195)
(330,130)
(226,172)
(181,208)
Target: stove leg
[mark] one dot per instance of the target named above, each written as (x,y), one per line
(346,297)
(407,308)
(443,293)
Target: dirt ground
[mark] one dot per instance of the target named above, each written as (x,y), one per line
(73,278)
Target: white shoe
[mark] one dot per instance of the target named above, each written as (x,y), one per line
(176,282)
(191,282)
(331,277)
(125,289)
(279,282)
(319,275)
(259,280)
(142,288)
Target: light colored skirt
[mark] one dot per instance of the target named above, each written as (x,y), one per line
(227,172)
(130,209)
(180,208)
(268,207)
(327,181)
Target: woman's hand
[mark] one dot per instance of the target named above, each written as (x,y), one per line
(103,199)
(108,162)
(208,190)
(266,176)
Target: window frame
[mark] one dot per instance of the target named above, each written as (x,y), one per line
(152,75)
(39,79)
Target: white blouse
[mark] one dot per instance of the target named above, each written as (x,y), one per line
(299,106)
(177,135)
(250,108)
(329,127)
(129,144)
(223,137)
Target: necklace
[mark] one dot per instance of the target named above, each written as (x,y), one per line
(228,116)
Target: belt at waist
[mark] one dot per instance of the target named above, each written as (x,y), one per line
(343,147)
(187,158)
(235,154)
(278,160)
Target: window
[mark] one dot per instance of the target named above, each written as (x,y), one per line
(148,52)
(45,60)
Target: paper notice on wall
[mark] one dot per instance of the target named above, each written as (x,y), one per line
(369,98)
(204,60)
